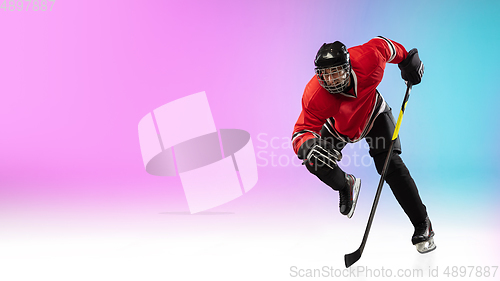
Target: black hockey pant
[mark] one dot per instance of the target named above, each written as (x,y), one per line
(398,177)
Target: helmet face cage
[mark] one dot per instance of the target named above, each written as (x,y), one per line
(335,78)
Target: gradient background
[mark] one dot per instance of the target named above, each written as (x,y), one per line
(77,204)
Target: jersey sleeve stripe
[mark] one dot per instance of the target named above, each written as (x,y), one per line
(329,125)
(298,134)
(391,47)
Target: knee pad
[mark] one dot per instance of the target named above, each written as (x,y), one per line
(396,164)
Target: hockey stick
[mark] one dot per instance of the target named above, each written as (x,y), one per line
(355,256)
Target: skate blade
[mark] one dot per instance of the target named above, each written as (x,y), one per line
(357,187)
(426,246)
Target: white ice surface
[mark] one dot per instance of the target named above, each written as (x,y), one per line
(236,242)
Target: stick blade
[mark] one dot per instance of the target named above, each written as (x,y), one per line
(351,258)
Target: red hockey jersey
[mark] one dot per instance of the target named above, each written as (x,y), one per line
(348,116)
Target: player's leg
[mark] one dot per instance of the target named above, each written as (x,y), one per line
(398,176)
(347,185)
(403,187)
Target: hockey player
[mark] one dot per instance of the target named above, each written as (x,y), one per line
(341,105)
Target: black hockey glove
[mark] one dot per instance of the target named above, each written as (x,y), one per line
(318,155)
(412,67)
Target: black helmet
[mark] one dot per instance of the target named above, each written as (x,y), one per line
(333,67)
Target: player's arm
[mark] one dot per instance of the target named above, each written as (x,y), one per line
(388,50)
(412,68)
(316,153)
(307,127)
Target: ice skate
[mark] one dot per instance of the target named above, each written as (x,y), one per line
(349,195)
(423,237)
